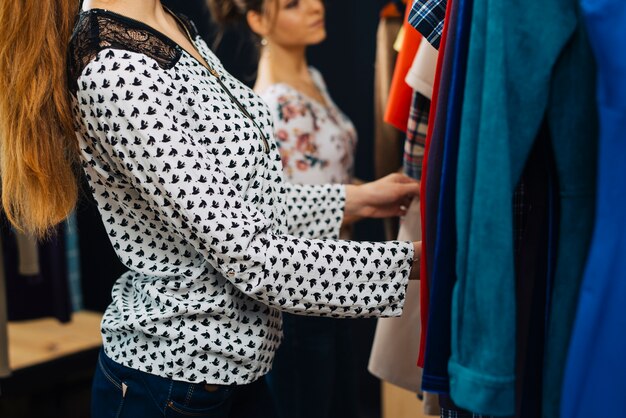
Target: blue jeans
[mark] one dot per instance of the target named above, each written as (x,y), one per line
(120,392)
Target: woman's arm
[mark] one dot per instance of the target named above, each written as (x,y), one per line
(319,211)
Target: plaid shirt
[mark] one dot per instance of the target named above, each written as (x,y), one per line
(416,136)
(427,16)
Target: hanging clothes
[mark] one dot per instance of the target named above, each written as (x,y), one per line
(436,147)
(427,16)
(507,94)
(424,272)
(435,152)
(421,75)
(433,187)
(400,93)
(595,365)
(432,171)
(437,351)
(420,78)
(417,130)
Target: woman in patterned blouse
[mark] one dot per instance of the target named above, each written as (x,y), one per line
(182,162)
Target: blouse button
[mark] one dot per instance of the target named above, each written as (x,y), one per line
(230,273)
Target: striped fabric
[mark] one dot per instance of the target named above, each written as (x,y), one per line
(416,136)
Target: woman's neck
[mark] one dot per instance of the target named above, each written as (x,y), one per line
(282,65)
(150,12)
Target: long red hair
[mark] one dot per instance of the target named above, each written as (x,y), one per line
(38,147)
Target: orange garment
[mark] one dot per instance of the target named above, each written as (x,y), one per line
(391,10)
(400,94)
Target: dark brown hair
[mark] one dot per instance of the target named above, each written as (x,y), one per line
(227,12)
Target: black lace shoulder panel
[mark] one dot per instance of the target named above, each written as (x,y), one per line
(97,29)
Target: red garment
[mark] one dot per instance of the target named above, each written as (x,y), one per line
(424,272)
(400,93)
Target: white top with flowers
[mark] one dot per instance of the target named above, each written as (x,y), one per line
(316,141)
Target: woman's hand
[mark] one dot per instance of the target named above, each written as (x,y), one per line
(417,256)
(384,198)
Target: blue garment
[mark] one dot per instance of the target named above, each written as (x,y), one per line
(119,391)
(596,369)
(122,392)
(524,59)
(427,16)
(435,151)
(435,378)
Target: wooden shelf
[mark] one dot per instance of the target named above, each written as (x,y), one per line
(43,340)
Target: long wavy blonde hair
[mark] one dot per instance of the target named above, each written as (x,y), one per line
(38,147)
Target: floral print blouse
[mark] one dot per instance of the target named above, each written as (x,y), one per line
(316,141)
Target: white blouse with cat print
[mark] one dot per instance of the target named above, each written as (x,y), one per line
(183,165)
